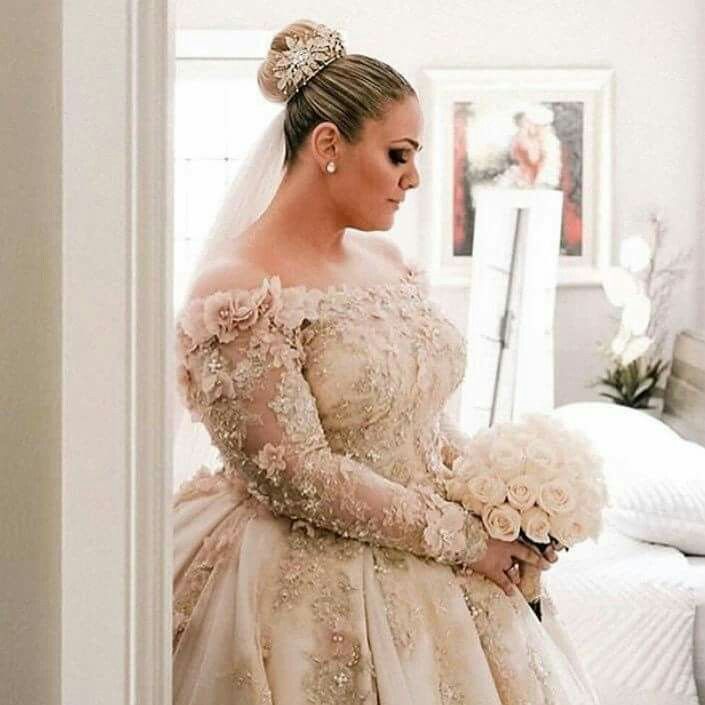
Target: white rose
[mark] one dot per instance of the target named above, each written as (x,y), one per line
(524,437)
(536,524)
(480,443)
(542,424)
(541,454)
(556,497)
(576,467)
(469,464)
(522,492)
(592,494)
(569,530)
(506,457)
(504,429)
(484,490)
(502,522)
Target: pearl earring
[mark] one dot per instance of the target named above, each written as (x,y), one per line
(330,167)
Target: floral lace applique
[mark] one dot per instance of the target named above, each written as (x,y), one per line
(215,550)
(203,482)
(247,689)
(405,617)
(496,624)
(243,372)
(313,573)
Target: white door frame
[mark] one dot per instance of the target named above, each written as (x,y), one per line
(116,311)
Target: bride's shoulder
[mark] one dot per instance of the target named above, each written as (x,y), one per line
(392,253)
(225,275)
(226,299)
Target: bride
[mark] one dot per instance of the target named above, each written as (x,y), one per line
(322,564)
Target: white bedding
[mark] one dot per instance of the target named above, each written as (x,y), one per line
(634,602)
(697,564)
(630,607)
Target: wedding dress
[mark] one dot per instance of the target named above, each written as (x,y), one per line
(315,567)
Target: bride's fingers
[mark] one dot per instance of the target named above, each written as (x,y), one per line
(551,554)
(505,583)
(528,555)
(531,547)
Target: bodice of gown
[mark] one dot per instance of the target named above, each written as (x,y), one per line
(329,404)
(381,363)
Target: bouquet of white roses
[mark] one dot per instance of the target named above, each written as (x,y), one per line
(536,481)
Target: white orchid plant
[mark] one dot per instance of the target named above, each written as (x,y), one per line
(633,379)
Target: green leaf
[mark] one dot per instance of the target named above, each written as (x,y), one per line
(611,396)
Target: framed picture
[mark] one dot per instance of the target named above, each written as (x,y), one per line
(519,129)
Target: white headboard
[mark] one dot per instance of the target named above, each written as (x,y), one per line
(684,399)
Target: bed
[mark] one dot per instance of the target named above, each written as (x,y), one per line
(634,602)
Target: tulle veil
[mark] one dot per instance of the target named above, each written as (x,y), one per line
(247,196)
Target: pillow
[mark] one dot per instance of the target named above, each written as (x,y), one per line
(655,479)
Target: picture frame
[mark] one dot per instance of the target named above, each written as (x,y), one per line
(536,129)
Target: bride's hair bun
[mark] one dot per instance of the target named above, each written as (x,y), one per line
(308,68)
(266,78)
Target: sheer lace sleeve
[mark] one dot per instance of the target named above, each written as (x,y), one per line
(453,440)
(241,374)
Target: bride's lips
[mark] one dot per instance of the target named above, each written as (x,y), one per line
(396,203)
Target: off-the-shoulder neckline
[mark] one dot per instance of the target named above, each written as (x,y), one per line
(405,278)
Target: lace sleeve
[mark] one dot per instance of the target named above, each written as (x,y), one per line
(453,440)
(241,374)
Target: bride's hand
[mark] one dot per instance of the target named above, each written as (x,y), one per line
(499,557)
(550,553)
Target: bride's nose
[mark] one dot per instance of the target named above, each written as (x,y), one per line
(411,179)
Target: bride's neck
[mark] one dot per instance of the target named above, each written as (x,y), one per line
(301,215)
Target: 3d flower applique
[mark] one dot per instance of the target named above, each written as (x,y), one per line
(191,328)
(219,315)
(281,351)
(183,344)
(301,303)
(207,481)
(225,311)
(271,459)
(445,530)
(202,482)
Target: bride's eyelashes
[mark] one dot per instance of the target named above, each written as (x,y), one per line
(396,156)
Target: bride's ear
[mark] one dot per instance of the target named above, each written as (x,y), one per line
(326,142)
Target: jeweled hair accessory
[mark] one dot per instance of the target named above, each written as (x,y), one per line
(305,57)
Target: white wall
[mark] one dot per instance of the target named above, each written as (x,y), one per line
(30,334)
(660,111)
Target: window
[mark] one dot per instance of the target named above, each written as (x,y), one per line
(218,115)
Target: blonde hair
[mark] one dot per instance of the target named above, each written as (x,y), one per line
(346,92)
